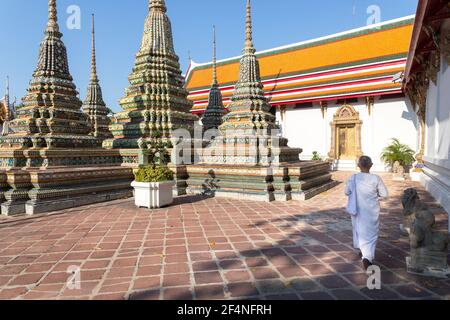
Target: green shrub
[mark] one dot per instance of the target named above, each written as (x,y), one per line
(397,151)
(316,156)
(154,174)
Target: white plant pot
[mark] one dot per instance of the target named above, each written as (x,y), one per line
(153,195)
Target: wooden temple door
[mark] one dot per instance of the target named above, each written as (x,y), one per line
(346,135)
(346,143)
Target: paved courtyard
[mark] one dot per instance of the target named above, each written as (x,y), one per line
(208,249)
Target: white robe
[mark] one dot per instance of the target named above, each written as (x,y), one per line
(366,224)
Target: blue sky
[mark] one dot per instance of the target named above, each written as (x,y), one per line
(119,26)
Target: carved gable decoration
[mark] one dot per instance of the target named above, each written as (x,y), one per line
(346,112)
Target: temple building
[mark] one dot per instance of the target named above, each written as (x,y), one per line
(426,82)
(337,97)
(340,96)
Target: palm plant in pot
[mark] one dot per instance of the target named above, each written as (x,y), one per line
(398,152)
(154,183)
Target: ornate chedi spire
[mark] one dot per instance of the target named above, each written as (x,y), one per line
(7,102)
(214,76)
(249,130)
(6,113)
(248,30)
(52,25)
(156,101)
(158,5)
(250,160)
(215,110)
(249,109)
(94,106)
(94,76)
(51,115)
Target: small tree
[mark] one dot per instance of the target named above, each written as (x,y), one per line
(397,151)
(159,158)
(158,153)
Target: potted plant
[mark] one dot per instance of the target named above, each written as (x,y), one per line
(399,153)
(153,187)
(154,183)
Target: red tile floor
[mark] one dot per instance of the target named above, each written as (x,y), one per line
(208,249)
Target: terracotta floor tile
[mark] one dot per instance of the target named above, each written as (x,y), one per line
(220,249)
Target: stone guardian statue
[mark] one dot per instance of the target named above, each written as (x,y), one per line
(429,247)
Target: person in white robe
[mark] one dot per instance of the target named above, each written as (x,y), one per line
(364,191)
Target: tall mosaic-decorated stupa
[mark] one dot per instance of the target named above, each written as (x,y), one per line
(93,105)
(250,159)
(50,159)
(249,126)
(213,116)
(156,101)
(51,115)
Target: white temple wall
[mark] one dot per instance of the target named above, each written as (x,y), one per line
(390,118)
(305,129)
(393,118)
(436,176)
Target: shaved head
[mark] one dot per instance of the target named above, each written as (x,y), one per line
(365,163)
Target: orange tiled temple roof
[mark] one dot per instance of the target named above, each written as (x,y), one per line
(360,62)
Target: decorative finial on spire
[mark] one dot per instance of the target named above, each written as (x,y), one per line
(93,59)
(52,25)
(7,87)
(214,56)
(158,5)
(7,104)
(248,28)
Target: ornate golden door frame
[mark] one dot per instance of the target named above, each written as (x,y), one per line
(346,118)
(3,113)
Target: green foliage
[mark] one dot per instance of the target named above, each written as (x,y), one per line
(397,151)
(158,153)
(316,156)
(157,149)
(154,174)
(158,158)
(156,134)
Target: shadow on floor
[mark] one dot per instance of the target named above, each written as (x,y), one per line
(314,261)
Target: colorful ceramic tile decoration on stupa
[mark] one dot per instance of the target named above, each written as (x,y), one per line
(250,159)
(50,159)
(213,116)
(156,102)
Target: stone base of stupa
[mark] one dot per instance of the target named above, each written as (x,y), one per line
(296,181)
(40,181)
(88,195)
